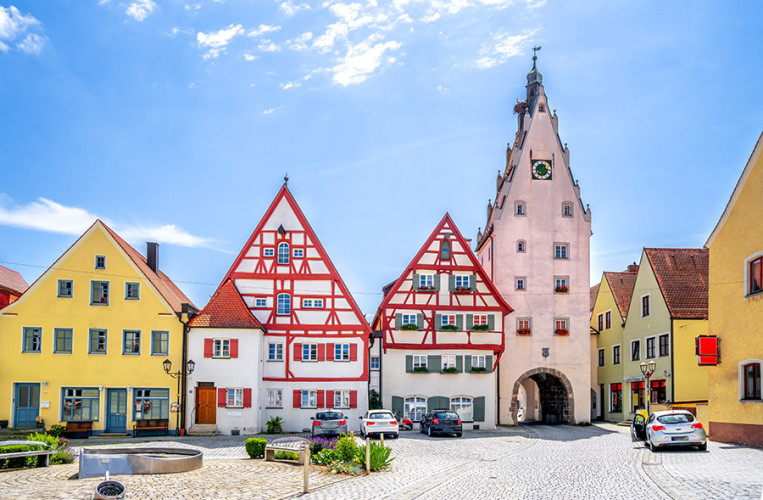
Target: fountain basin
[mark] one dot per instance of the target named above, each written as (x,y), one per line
(95,462)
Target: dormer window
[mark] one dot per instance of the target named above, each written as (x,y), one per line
(520,208)
(283,253)
(100,262)
(566,209)
(445,250)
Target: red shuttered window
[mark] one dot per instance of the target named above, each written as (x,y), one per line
(329,352)
(321,401)
(353,399)
(707,350)
(247,398)
(233,348)
(321,352)
(297,401)
(353,352)
(209,347)
(222,397)
(329,399)
(297,353)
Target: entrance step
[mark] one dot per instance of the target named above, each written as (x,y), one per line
(624,423)
(18,432)
(112,435)
(202,430)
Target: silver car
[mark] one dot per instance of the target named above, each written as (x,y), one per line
(669,428)
(328,423)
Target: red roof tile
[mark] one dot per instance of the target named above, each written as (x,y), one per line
(164,285)
(621,285)
(682,274)
(226,309)
(12,281)
(594,294)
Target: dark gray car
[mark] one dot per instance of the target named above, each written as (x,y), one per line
(329,423)
(441,422)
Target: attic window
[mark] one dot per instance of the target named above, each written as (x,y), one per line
(445,250)
(520,208)
(521,246)
(541,108)
(566,209)
(100,262)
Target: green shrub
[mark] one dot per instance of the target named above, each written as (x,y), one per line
(450,369)
(255,447)
(285,455)
(479,369)
(63,456)
(53,441)
(380,456)
(15,463)
(325,456)
(346,449)
(420,369)
(374,400)
(274,424)
(480,328)
(410,326)
(56,430)
(449,328)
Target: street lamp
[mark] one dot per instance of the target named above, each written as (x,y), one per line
(647,370)
(167,365)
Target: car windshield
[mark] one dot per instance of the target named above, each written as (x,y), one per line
(380,415)
(329,415)
(676,418)
(447,415)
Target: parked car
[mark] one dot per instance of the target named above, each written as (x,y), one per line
(377,422)
(669,428)
(441,422)
(328,423)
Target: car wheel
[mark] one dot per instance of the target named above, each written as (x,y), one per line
(458,434)
(652,447)
(421,428)
(702,447)
(429,431)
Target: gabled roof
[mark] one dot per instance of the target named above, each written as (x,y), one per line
(445,222)
(682,274)
(756,153)
(594,294)
(12,281)
(226,309)
(621,285)
(163,284)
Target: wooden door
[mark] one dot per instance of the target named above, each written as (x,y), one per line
(27,405)
(116,416)
(206,409)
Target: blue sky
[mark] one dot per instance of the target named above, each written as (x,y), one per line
(177,120)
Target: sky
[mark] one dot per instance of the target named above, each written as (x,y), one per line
(177,120)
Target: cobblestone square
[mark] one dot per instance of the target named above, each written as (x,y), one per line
(527,462)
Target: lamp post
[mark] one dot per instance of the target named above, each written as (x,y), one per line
(647,370)
(167,365)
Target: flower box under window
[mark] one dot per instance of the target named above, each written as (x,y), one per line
(449,328)
(450,369)
(562,289)
(409,326)
(462,289)
(478,369)
(524,331)
(480,328)
(420,369)
(426,289)
(562,331)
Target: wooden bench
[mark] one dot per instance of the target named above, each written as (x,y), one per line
(31,453)
(76,428)
(156,424)
(298,445)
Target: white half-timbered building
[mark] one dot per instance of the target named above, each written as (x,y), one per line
(315,348)
(442,322)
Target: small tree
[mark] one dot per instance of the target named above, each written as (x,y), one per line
(374,400)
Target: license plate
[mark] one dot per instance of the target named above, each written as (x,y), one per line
(680,438)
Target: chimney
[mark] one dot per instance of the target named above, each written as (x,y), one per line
(152,256)
(632,268)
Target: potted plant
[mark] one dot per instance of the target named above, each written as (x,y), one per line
(524,331)
(562,331)
(3,424)
(39,421)
(562,289)
(274,425)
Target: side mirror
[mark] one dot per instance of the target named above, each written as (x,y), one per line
(312,418)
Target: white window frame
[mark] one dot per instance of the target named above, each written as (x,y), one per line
(600,322)
(649,305)
(561,281)
(447,361)
(277,353)
(740,381)
(479,361)
(268,252)
(283,309)
(312,303)
(520,280)
(462,281)
(636,341)
(283,257)
(312,352)
(463,406)
(747,278)
(426,280)
(309,398)
(420,360)
(219,348)
(275,398)
(529,323)
(414,407)
(619,356)
(448,320)
(608,319)
(561,251)
(408,319)
(298,253)
(342,352)
(480,319)
(658,345)
(260,302)
(341,398)
(238,397)
(565,323)
(375,363)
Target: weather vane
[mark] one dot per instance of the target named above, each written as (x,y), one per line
(286,179)
(535,49)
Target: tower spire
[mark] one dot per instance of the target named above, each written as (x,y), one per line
(534,75)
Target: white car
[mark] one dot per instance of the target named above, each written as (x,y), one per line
(377,422)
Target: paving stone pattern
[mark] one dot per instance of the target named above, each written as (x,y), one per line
(527,462)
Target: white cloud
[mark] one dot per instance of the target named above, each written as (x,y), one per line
(289,8)
(361,61)
(262,30)
(271,111)
(534,4)
(249,57)
(218,40)
(300,43)
(442,90)
(268,46)
(15,27)
(192,6)
(503,47)
(290,85)
(32,43)
(141,9)
(49,216)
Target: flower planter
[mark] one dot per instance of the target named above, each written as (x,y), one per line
(450,370)
(478,369)
(426,289)
(562,332)
(449,328)
(409,328)
(420,369)
(462,289)
(562,289)
(480,328)
(524,331)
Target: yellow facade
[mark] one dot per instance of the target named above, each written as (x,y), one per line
(610,373)
(689,378)
(123,376)
(735,314)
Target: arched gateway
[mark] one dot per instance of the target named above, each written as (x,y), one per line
(556,401)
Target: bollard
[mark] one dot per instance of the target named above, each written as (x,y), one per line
(381,436)
(368,455)
(306,481)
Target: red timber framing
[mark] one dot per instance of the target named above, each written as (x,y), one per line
(283,256)
(445,255)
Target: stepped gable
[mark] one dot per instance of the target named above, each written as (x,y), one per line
(682,274)
(163,284)
(12,281)
(226,309)
(594,294)
(621,284)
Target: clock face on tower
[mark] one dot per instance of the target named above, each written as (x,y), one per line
(541,169)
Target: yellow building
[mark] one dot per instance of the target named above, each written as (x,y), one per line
(668,312)
(608,318)
(736,311)
(87,340)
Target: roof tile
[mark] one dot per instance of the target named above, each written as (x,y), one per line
(682,274)
(12,280)
(226,309)
(621,285)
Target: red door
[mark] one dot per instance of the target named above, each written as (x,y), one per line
(205,405)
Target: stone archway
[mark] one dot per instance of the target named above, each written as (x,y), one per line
(555,392)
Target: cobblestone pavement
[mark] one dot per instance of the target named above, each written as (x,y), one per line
(528,462)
